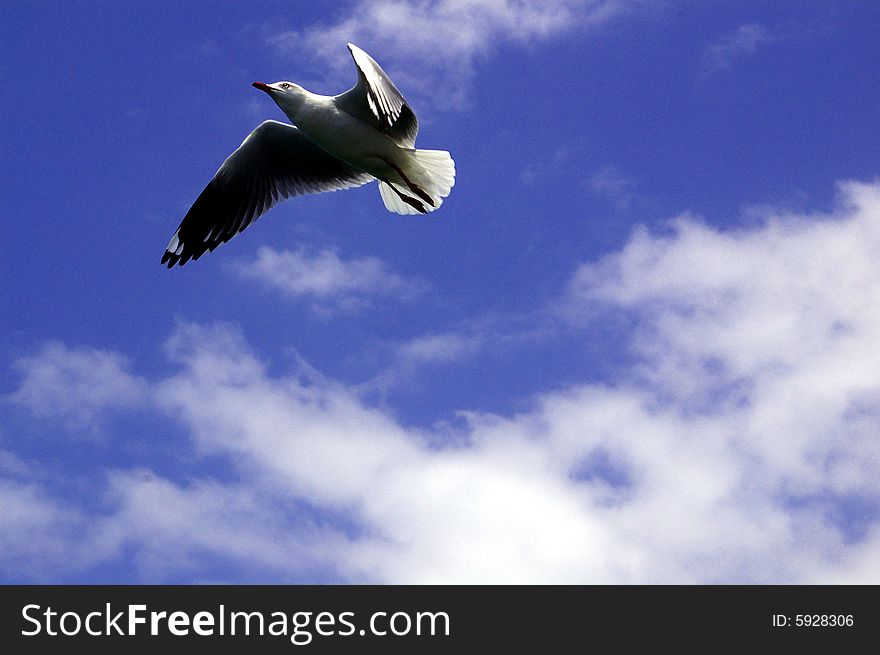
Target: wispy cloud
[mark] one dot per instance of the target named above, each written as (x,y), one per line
(748,422)
(76,385)
(329,282)
(610,184)
(440,40)
(446,347)
(742,42)
(544,168)
(406,359)
(44,539)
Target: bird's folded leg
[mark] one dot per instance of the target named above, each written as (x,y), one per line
(415,188)
(412,202)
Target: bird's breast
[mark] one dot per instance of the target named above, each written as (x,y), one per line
(347,138)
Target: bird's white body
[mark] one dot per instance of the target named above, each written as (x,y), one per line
(336,142)
(348,138)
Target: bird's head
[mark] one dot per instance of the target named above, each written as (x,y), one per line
(287,95)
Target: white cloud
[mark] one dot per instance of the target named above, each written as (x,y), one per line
(774,325)
(742,42)
(43,540)
(76,385)
(731,452)
(440,40)
(172,528)
(327,280)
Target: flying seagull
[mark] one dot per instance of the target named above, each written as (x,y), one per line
(337,142)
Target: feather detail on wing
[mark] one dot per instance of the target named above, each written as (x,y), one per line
(377,101)
(273,163)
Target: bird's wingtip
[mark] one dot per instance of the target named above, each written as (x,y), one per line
(169,259)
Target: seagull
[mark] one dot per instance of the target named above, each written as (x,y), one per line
(336,142)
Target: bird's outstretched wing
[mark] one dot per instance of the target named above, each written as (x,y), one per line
(376,101)
(273,163)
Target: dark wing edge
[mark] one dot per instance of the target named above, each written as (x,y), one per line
(273,163)
(377,101)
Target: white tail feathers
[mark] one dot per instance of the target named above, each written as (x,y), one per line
(435,176)
(441,169)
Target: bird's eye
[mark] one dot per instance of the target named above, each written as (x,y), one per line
(285,86)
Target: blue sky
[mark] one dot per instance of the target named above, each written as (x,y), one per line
(636,344)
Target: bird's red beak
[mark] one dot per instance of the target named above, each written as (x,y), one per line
(262,86)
